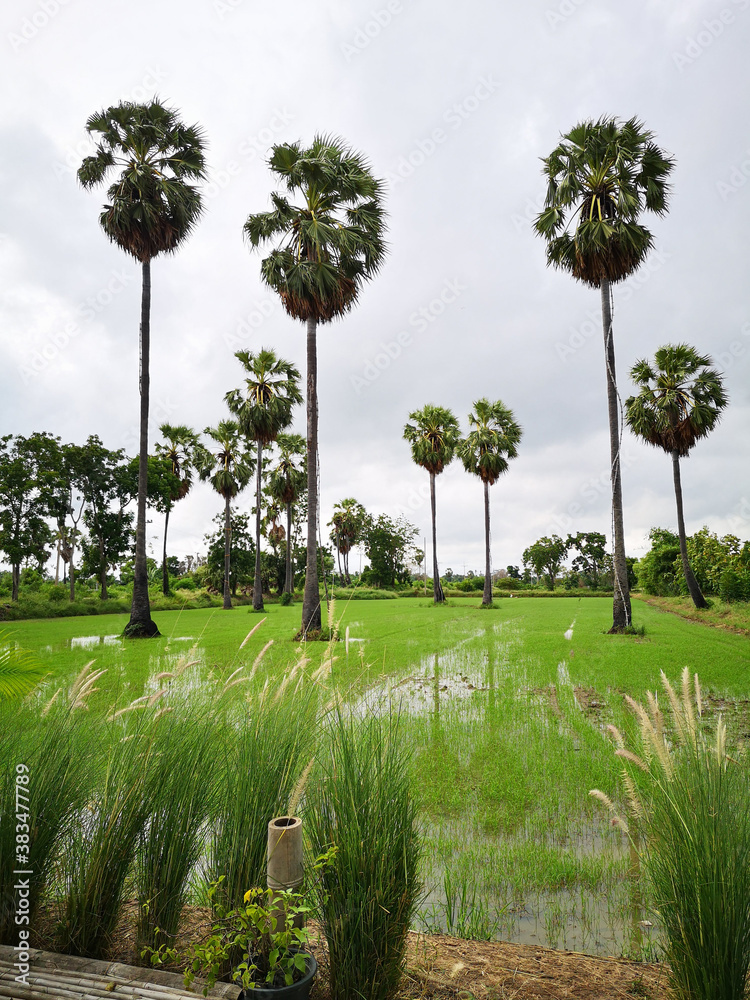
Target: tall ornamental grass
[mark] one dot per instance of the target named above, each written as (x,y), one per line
(360,802)
(692,812)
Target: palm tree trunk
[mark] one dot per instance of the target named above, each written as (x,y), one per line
(487,595)
(311,600)
(437,589)
(227,549)
(164,570)
(692,584)
(140,623)
(289,582)
(621,614)
(257,583)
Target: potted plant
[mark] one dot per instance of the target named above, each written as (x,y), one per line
(265,931)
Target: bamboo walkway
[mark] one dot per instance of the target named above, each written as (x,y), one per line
(63,977)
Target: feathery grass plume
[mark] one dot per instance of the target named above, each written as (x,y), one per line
(252,630)
(361,802)
(695,844)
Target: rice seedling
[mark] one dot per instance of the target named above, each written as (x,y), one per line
(361,803)
(692,810)
(467,915)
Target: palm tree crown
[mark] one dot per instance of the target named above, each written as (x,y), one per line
(333,241)
(680,400)
(178,447)
(264,406)
(152,206)
(600,178)
(288,477)
(485,452)
(433,436)
(230,466)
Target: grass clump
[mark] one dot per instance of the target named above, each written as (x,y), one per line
(692,814)
(361,804)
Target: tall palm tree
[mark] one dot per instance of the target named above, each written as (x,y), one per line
(433,436)
(153,208)
(263,408)
(229,467)
(348,523)
(680,401)
(328,246)
(178,449)
(600,178)
(486,453)
(287,483)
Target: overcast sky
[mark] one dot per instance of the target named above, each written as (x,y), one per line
(453,104)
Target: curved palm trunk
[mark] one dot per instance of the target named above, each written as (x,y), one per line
(487,595)
(140,623)
(227,549)
(692,584)
(289,581)
(311,600)
(437,589)
(164,570)
(257,583)
(621,614)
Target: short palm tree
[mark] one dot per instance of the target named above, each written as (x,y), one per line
(263,409)
(229,466)
(600,178)
(329,245)
(680,401)
(486,453)
(153,208)
(433,437)
(178,449)
(287,483)
(348,523)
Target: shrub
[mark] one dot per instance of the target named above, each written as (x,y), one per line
(184,583)
(286,599)
(734,585)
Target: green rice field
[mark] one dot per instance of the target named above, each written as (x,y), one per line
(506,711)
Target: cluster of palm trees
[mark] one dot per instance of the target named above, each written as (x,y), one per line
(435,438)
(328,227)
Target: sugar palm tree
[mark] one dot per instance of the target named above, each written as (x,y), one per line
(600,178)
(328,246)
(486,453)
(433,436)
(153,206)
(287,483)
(348,523)
(229,467)
(178,449)
(263,408)
(680,401)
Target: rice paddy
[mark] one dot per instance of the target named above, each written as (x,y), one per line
(505,711)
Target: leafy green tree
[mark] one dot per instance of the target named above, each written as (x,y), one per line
(680,401)
(68,501)
(330,245)
(656,570)
(288,484)
(241,552)
(600,178)
(27,485)
(153,208)
(592,555)
(433,436)
(485,452)
(546,556)
(263,408)
(108,486)
(229,468)
(178,448)
(514,572)
(387,544)
(709,556)
(349,523)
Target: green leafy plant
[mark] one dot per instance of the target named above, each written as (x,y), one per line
(689,821)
